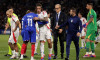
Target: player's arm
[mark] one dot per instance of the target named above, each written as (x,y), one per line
(19,27)
(91,19)
(80,25)
(6,27)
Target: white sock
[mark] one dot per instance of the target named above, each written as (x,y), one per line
(95,45)
(21,57)
(13,52)
(50,50)
(93,53)
(16,53)
(82,42)
(87,53)
(42,49)
(36,45)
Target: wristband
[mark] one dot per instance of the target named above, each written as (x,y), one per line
(86,23)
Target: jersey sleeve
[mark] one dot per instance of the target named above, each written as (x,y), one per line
(85,20)
(91,14)
(15,18)
(45,14)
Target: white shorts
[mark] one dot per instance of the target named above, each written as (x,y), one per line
(14,37)
(97,38)
(37,36)
(45,35)
(83,33)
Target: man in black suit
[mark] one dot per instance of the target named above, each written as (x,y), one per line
(58,18)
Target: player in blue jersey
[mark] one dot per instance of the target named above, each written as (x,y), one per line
(30,33)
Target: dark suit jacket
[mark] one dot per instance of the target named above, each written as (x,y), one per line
(62,19)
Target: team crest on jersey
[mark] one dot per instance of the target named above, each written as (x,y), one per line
(71,21)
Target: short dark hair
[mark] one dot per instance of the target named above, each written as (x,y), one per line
(38,4)
(73,9)
(90,4)
(81,12)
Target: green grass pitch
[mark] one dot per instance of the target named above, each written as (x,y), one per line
(4,50)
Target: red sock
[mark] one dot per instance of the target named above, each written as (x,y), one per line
(32,49)
(23,48)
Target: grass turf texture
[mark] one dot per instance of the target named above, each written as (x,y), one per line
(4,50)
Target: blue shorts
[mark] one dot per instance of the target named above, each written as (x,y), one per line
(30,36)
(23,33)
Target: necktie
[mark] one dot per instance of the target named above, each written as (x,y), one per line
(57,17)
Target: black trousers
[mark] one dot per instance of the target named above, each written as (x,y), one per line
(61,40)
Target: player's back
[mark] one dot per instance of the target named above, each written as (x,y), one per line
(23,23)
(30,23)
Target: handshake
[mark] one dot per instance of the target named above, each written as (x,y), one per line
(57,26)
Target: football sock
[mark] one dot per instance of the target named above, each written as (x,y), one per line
(50,50)
(82,42)
(42,49)
(92,47)
(87,46)
(36,45)
(10,51)
(19,46)
(23,49)
(32,50)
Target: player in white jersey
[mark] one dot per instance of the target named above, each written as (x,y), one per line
(83,33)
(98,35)
(14,34)
(44,30)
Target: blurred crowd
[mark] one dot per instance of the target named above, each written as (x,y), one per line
(21,6)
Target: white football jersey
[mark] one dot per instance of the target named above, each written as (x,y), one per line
(13,20)
(42,14)
(83,20)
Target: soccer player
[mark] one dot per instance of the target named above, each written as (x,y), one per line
(73,34)
(83,33)
(98,34)
(44,30)
(30,33)
(6,27)
(91,30)
(14,33)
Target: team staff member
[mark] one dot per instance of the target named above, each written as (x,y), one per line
(58,19)
(73,32)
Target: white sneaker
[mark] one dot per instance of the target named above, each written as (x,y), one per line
(32,58)
(90,53)
(13,57)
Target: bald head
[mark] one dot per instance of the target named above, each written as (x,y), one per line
(57,8)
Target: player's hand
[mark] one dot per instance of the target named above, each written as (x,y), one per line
(13,30)
(5,32)
(57,27)
(35,18)
(84,29)
(78,34)
(60,30)
(19,31)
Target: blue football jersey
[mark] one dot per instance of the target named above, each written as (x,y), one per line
(23,23)
(30,23)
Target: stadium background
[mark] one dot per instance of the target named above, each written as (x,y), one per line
(21,6)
